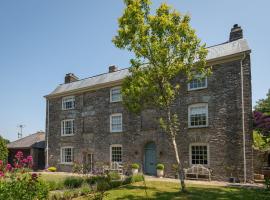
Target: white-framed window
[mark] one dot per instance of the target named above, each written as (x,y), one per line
(67,127)
(198,82)
(115,94)
(116,153)
(199,154)
(116,122)
(66,155)
(68,103)
(198,115)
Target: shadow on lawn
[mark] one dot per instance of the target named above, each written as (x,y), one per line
(195,193)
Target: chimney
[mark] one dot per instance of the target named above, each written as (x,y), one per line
(112,68)
(70,77)
(236,33)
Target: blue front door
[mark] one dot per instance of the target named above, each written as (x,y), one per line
(150,159)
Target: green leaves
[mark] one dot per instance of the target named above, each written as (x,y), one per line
(165,46)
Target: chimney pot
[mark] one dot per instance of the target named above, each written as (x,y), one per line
(112,68)
(70,77)
(236,33)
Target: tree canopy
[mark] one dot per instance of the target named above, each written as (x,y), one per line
(3,149)
(165,45)
(263,105)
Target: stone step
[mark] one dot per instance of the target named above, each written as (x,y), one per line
(258,181)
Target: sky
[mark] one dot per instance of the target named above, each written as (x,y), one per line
(41,41)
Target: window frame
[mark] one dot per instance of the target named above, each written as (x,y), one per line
(208,153)
(61,155)
(113,88)
(116,145)
(113,115)
(189,113)
(64,100)
(198,88)
(63,128)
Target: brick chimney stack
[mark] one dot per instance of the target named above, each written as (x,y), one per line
(70,77)
(236,33)
(112,68)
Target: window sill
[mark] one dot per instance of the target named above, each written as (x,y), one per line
(194,89)
(70,163)
(68,109)
(69,135)
(192,127)
(115,101)
(116,131)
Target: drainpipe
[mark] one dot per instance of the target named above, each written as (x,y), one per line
(243,120)
(47,134)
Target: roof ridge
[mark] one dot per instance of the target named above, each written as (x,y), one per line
(95,76)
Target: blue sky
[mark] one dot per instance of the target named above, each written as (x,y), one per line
(41,41)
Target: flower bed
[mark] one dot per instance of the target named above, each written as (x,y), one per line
(17,182)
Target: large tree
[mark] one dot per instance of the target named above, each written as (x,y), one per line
(3,149)
(263,105)
(164,47)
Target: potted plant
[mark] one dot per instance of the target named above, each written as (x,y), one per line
(135,168)
(160,170)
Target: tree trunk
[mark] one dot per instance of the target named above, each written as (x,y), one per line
(181,172)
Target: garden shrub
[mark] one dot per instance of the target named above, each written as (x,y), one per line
(73,182)
(115,183)
(133,179)
(137,178)
(267,183)
(135,166)
(94,179)
(25,186)
(160,167)
(55,185)
(114,176)
(52,169)
(18,183)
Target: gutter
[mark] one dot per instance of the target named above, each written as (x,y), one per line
(47,133)
(243,120)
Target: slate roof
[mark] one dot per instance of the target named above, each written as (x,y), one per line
(214,52)
(36,140)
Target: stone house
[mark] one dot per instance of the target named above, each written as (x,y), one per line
(86,121)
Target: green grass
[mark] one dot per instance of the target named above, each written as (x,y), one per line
(169,191)
(53,177)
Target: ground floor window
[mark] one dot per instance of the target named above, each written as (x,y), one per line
(66,155)
(88,161)
(199,154)
(116,153)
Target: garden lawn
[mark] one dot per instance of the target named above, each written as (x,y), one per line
(169,191)
(53,177)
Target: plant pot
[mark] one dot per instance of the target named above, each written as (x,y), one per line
(160,173)
(134,171)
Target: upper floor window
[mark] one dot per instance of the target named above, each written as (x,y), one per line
(67,155)
(68,103)
(116,153)
(199,154)
(115,94)
(198,82)
(67,127)
(116,122)
(198,115)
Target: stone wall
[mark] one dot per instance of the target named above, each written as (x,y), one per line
(224,135)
